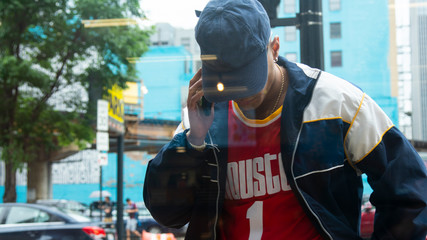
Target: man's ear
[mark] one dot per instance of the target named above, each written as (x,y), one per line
(275,46)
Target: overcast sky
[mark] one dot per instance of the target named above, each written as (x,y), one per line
(178,13)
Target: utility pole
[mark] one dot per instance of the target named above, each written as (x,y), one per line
(120,223)
(309,22)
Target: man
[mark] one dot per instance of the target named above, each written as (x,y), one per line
(132,222)
(108,210)
(281,152)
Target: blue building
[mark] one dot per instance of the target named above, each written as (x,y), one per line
(357,47)
(165,71)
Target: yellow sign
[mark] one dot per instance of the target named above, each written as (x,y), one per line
(116,108)
(130,95)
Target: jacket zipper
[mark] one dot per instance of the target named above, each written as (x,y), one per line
(292,166)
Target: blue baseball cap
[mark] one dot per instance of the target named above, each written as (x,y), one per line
(233,36)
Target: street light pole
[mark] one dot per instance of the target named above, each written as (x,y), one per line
(100,206)
(311,33)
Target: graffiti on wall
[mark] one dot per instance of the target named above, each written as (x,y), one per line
(79,168)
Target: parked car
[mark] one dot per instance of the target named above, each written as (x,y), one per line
(66,205)
(22,221)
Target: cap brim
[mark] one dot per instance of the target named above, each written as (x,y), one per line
(238,83)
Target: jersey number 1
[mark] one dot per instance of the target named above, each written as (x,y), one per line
(254,214)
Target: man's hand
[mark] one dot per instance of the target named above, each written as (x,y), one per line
(199,122)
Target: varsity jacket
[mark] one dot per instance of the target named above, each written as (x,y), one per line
(331,133)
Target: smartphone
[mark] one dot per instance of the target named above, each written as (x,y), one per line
(206,106)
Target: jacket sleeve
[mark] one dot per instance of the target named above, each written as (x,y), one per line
(395,172)
(172,181)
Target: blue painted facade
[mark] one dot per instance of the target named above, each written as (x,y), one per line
(21,192)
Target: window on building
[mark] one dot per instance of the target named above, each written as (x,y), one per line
(334,5)
(336,58)
(185,41)
(289,6)
(198,64)
(335,30)
(290,34)
(291,57)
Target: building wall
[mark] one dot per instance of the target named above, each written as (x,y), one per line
(418,36)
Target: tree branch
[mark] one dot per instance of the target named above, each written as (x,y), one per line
(57,77)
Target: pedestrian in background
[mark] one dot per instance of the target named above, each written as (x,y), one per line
(280,153)
(132,222)
(108,210)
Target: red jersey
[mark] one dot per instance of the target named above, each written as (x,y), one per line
(259,203)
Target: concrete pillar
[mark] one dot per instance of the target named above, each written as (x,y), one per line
(37,180)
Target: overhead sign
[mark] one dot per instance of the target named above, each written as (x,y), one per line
(102,115)
(117,106)
(116,109)
(102,141)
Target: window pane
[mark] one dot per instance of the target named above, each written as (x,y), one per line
(336,58)
(334,5)
(185,41)
(290,34)
(335,29)
(291,57)
(289,6)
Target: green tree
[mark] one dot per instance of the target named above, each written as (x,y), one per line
(49,62)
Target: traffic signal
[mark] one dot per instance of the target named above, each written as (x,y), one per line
(270,7)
